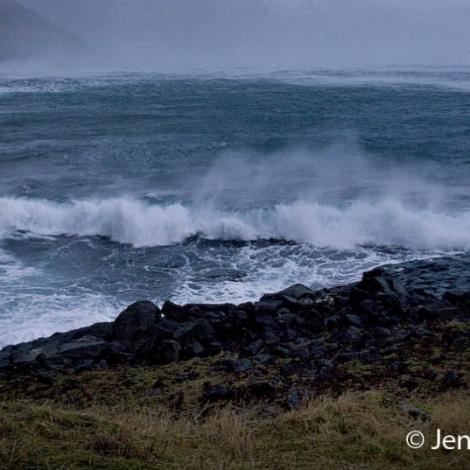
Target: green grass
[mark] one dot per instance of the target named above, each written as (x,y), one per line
(113,419)
(356,430)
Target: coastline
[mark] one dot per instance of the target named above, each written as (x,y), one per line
(392,303)
(396,343)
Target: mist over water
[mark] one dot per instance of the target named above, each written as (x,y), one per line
(260,35)
(334,198)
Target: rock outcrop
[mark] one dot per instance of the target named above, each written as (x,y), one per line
(312,331)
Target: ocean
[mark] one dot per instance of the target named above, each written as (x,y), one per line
(116,187)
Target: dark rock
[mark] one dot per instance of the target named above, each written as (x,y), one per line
(168,351)
(354,320)
(430,374)
(291,368)
(390,311)
(252,349)
(453,380)
(200,330)
(192,348)
(282,351)
(352,335)
(332,322)
(410,384)
(267,307)
(260,389)
(460,344)
(219,392)
(398,367)
(240,366)
(415,412)
(265,359)
(381,332)
(298,295)
(157,388)
(173,312)
(369,357)
(325,368)
(166,329)
(135,327)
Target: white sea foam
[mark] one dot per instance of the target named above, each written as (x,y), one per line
(127,220)
(34,315)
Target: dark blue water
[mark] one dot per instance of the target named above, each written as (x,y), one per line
(219,188)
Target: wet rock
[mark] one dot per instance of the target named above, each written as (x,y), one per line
(135,327)
(267,307)
(389,310)
(173,312)
(296,295)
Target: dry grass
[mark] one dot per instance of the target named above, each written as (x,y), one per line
(356,430)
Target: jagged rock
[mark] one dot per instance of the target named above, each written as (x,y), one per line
(173,311)
(391,307)
(136,327)
(298,294)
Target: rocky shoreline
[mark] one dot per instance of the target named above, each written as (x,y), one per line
(289,344)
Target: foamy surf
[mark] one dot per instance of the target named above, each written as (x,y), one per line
(132,221)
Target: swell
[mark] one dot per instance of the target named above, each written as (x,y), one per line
(131,221)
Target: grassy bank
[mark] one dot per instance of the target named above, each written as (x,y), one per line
(355,430)
(152,417)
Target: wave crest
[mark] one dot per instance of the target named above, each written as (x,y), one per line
(131,221)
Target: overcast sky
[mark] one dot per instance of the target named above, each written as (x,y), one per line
(273,34)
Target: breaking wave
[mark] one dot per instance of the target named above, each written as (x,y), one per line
(132,221)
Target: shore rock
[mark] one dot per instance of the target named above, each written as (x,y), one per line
(364,321)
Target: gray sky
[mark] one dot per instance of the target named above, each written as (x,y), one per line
(266,34)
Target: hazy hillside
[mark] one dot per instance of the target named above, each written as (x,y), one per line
(25,35)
